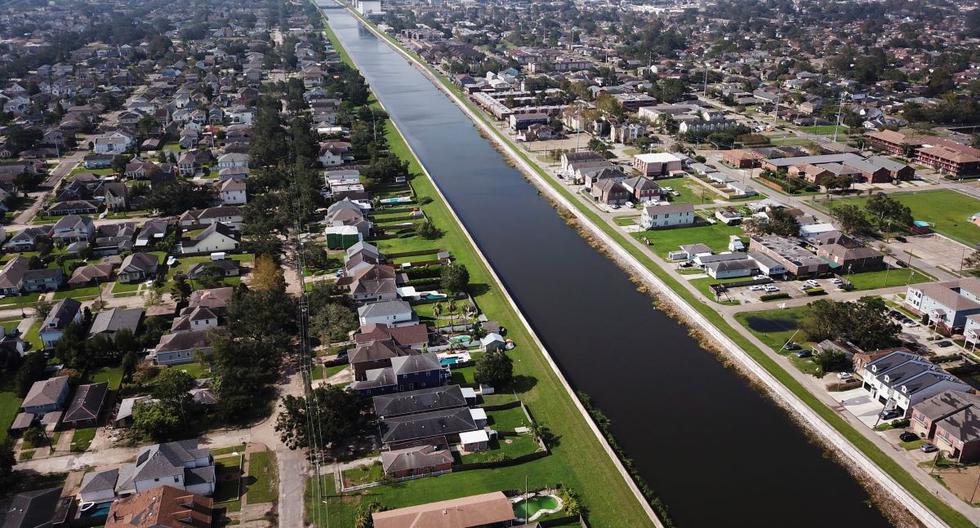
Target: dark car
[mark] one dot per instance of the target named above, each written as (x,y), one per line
(908,436)
(944,344)
(791,345)
(901,239)
(891,413)
(804,353)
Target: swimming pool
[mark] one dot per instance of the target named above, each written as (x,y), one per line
(96,511)
(536,506)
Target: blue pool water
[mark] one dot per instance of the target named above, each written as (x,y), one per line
(99,510)
(447,362)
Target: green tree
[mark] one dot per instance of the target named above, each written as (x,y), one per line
(339,415)
(888,213)
(495,369)
(454,278)
(852,219)
(864,323)
(333,323)
(31,370)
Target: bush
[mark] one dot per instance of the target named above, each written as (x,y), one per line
(815,291)
(774,296)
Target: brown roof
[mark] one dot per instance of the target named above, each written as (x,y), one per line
(159,507)
(403,335)
(465,512)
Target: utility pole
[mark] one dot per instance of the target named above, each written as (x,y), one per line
(840,110)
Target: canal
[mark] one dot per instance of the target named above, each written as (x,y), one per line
(717,451)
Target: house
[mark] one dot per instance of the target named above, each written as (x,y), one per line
(113,143)
(116,196)
(16,277)
(419,401)
(152,232)
(729,269)
(46,396)
(416,461)
(73,228)
(73,207)
(224,268)
(610,192)
(214,298)
(492,342)
(728,215)
(217,237)
(951,421)
(415,336)
(668,215)
(233,160)
(90,275)
(374,355)
(65,312)
(99,486)
(26,239)
(232,192)
(196,318)
(427,425)
(657,164)
(901,379)
(86,406)
(138,267)
(165,506)
(395,313)
(406,373)
(38,509)
(108,322)
(182,465)
(642,188)
(373,284)
(476,511)
(947,303)
(568,158)
(347,213)
(179,347)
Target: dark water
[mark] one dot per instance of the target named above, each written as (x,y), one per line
(716,451)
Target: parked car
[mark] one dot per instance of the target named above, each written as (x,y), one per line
(944,344)
(908,436)
(756,287)
(901,239)
(844,376)
(890,414)
(792,345)
(928,448)
(805,353)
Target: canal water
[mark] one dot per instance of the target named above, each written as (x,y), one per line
(716,450)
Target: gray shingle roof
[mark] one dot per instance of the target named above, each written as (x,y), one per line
(424,400)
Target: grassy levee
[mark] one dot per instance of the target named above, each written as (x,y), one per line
(947,513)
(578,460)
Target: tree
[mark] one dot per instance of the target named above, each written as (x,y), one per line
(7,462)
(333,323)
(972,261)
(427,230)
(830,360)
(339,414)
(852,219)
(889,214)
(495,369)
(267,275)
(35,435)
(864,323)
(780,222)
(31,370)
(454,278)
(156,421)
(180,289)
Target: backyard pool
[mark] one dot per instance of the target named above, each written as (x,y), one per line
(535,506)
(97,511)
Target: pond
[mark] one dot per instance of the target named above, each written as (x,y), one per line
(772,324)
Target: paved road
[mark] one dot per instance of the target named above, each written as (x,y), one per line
(64,167)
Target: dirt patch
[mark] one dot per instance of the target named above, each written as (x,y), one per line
(962,482)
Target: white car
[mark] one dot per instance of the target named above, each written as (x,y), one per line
(756,287)
(844,376)
(770,288)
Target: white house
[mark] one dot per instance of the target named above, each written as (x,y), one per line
(113,143)
(233,192)
(670,215)
(902,379)
(178,464)
(392,313)
(947,303)
(217,237)
(233,160)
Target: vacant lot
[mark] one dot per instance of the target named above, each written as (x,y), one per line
(664,241)
(948,211)
(262,481)
(886,278)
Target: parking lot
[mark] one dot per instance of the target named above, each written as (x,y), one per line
(795,289)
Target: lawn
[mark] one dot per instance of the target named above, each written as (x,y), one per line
(82,439)
(33,335)
(703,285)
(9,407)
(508,419)
(125,288)
(363,474)
(666,240)
(19,301)
(83,293)
(774,327)
(194,369)
(504,448)
(226,493)
(870,280)
(113,376)
(262,482)
(948,211)
(689,191)
(607,499)
(239,448)
(825,130)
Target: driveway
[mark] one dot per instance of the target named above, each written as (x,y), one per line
(859,403)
